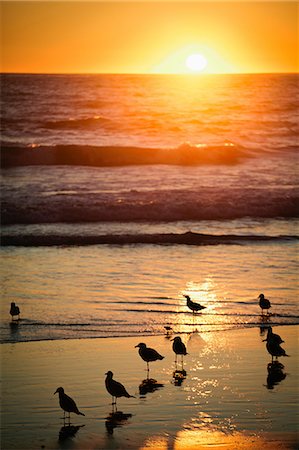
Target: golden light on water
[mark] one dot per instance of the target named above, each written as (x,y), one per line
(203,293)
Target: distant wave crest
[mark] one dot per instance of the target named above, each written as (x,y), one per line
(76,124)
(188,238)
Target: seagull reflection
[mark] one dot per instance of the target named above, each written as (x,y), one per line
(14,327)
(116,419)
(178,377)
(149,385)
(68,431)
(275,374)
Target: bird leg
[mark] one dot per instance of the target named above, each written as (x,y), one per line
(147,370)
(182,361)
(114,407)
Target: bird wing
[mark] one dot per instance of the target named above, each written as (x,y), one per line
(119,389)
(156,355)
(70,404)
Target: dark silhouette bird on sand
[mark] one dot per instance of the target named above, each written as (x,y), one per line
(67,403)
(179,348)
(14,310)
(264,303)
(115,388)
(148,354)
(192,305)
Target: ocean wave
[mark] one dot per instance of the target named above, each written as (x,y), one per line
(188,238)
(76,124)
(226,153)
(154,207)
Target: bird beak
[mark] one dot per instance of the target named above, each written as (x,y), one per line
(55,392)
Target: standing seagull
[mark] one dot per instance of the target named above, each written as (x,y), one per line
(115,388)
(264,303)
(179,348)
(67,404)
(274,347)
(148,354)
(273,337)
(14,310)
(192,305)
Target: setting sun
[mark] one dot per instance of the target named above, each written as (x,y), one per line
(138,37)
(196,62)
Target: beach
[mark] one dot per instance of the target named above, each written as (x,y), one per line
(149,191)
(224,401)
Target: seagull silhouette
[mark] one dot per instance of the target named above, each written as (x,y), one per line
(273,346)
(67,403)
(179,348)
(273,337)
(115,388)
(14,310)
(148,354)
(192,305)
(264,303)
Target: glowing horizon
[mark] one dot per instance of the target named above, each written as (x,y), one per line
(149,37)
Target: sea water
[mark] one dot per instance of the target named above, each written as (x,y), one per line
(123,193)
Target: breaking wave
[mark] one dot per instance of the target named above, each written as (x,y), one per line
(103,156)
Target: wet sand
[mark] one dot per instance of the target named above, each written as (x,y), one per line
(227,400)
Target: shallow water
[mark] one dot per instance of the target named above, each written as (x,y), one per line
(110,290)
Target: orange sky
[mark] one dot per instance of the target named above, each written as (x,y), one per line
(148,37)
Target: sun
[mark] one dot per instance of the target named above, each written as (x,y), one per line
(196,62)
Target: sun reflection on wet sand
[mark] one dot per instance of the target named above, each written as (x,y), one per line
(190,439)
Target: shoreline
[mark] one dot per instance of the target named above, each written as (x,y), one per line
(226,328)
(224,399)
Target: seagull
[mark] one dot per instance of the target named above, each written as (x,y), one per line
(148,354)
(273,346)
(168,329)
(264,303)
(273,337)
(179,348)
(115,388)
(14,310)
(67,403)
(192,305)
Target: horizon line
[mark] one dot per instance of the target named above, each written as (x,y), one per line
(149,73)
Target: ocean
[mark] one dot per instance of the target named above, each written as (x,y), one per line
(123,193)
